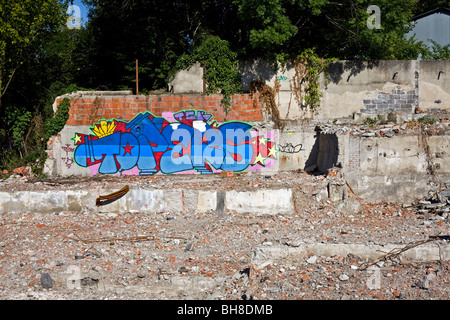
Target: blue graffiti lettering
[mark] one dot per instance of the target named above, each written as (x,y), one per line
(154,145)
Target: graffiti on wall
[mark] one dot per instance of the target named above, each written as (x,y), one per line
(68,161)
(290,148)
(189,141)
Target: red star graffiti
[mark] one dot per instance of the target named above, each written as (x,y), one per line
(128,149)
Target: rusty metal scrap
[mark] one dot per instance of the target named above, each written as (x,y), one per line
(397,251)
(112,196)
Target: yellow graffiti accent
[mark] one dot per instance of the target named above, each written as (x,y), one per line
(272,152)
(76,139)
(105,128)
(259,158)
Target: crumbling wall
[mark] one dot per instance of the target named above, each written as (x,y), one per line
(87,107)
(386,163)
(400,168)
(147,135)
(360,89)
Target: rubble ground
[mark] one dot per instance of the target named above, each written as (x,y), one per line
(204,255)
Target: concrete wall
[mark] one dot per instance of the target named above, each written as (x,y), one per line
(356,89)
(262,201)
(297,145)
(188,81)
(396,169)
(434,85)
(362,88)
(377,167)
(368,88)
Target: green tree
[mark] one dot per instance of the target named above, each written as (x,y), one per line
(40,59)
(154,32)
(23,23)
(336,29)
(436,52)
(266,22)
(221,66)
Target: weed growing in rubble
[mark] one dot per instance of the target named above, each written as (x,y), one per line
(426,120)
(370,121)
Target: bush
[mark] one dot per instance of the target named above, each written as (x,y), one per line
(24,140)
(56,124)
(221,67)
(18,121)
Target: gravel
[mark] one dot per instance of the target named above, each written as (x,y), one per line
(203,255)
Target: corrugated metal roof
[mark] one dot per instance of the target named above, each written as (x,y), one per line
(434,24)
(441,10)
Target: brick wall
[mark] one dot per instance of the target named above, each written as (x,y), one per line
(397,101)
(87,110)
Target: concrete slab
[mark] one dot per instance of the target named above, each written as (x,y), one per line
(173,200)
(207,201)
(285,254)
(260,201)
(265,201)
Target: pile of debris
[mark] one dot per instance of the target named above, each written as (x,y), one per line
(437,203)
(387,130)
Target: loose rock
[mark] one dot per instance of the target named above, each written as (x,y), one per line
(46,281)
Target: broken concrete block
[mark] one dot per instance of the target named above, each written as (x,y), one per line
(389,133)
(262,201)
(207,201)
(337,191)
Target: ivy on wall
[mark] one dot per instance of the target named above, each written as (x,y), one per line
(267,95)
(30,135)
(304,85)
(56,124)
(306,81)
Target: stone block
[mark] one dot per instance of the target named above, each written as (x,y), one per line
(207,201)
(263,201)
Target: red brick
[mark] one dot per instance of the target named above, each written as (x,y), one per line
(71,122)
(199,104)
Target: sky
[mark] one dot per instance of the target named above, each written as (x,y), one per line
(83,9)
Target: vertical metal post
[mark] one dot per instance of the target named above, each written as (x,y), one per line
(137,77)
